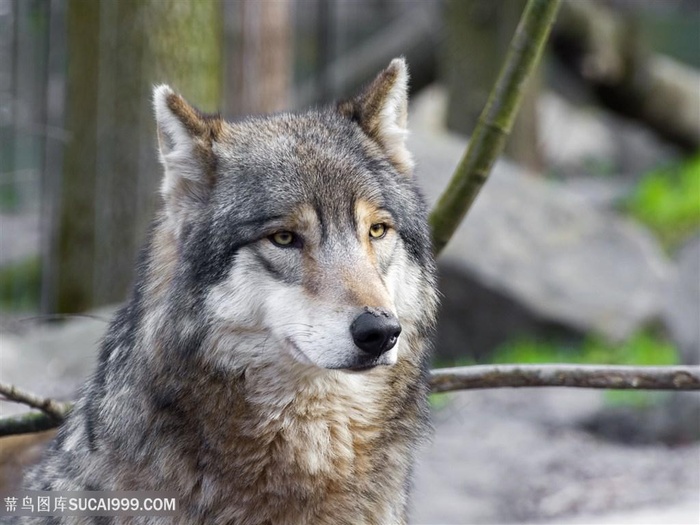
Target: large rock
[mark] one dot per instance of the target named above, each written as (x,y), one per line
(555,258)
(682,306)
(577,139)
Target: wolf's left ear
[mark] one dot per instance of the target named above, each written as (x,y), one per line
(185,138)
(381,110)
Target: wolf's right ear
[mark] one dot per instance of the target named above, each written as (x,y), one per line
(185,138)
(381,110)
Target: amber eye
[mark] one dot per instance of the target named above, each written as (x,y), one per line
(377,231)
(283,238)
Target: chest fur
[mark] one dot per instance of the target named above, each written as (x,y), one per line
(318,459)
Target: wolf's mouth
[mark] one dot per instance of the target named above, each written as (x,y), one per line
(363,367)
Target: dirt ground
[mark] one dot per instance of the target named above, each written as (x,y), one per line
(520,456)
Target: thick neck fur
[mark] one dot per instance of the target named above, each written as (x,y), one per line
(276,443)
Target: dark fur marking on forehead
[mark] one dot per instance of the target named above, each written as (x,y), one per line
(259,221)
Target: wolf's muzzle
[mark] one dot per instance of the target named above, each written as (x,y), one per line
(375,331)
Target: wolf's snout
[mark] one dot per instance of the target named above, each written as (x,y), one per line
(375,332)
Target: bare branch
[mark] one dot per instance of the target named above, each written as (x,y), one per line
(495,122)
(580,376)
(51,408)
(448,380)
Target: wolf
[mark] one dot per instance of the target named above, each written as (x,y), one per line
(271,364)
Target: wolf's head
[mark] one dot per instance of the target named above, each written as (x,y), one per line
(302,235)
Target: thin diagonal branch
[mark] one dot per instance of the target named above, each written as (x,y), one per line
(495,122)
(51,408)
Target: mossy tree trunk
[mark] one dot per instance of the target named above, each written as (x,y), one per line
(116,52)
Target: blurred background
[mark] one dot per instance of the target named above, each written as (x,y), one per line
(583,247)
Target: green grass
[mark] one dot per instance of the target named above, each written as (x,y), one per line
(668,201)
(439,401)
(20,285)
(642,349)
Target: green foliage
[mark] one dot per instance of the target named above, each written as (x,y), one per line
(439,400)
(20,285)
(642,349)
(634,398)
(668,201)
(9,198)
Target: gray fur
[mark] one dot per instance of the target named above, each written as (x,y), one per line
(192,392)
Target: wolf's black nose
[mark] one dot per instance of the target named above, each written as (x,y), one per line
(375,332)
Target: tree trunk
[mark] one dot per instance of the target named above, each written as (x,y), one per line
(116,52)
(259,70)
(76,238)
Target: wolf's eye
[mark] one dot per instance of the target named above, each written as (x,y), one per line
(377,231)
(283,239)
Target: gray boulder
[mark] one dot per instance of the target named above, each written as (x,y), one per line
(544,252)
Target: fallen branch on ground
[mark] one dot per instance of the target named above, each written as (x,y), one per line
(581,376)
(51,408)
(458,378)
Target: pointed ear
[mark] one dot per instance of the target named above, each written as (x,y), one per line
(185,138)
(381,110)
